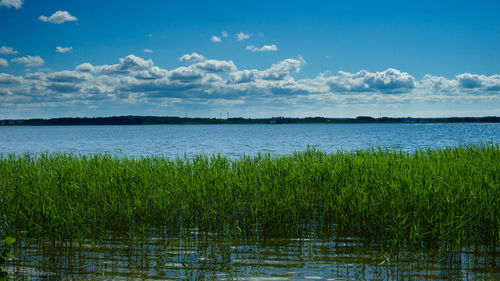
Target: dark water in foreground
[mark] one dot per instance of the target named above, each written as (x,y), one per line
(237,140)
(196,256)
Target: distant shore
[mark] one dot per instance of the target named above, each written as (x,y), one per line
(172,120)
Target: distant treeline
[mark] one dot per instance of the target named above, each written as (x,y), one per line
(151,120)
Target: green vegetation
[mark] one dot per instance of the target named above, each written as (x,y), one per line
(450,194)
(5,254)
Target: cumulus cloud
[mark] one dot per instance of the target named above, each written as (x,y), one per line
(278,71)
(85,67)
(470,81)
(216,66)
(12,3)
(224,34)
(64,50)
(475,81)
(126,65)
(4,50)
(388,81)
(58,17)
(68,76)
(148,51)
(282,69)
(150,73)
(265,48)
(215,39)
(8,79)
(132,62)
(186,74)
(242,36)
(192,57)
(3,63)
(29,60)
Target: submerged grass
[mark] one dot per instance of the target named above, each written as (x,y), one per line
(450,194)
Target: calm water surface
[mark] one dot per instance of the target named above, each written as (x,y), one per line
(191,255)
(194,256)
(237,140)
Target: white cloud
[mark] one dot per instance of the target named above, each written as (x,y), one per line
(4,50)
(216,39)
(475,81)
(8,79)
(437,83)
(191,57)
(224,34)
(128,64)
(58,17)
(68,76)
(185,74)
(85,67)
(12,3)
(388,81)
(265,48)
(216,66)
(63,50)
(242,36)
(469,81)
(3,63)
(132,62)
(278,71)
(29,60)
(148,51)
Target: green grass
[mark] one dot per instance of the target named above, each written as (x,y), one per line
(449,194)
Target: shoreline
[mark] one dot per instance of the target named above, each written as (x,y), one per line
(172,120)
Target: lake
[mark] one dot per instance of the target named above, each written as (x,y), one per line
(191,255)
(174,254)
(237,140)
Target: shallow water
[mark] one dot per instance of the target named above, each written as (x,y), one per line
(237,140)
(193,255)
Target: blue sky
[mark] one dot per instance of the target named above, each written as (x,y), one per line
(251,59)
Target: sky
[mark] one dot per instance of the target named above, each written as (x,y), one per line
(249,58)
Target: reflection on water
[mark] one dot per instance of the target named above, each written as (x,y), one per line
(199,256)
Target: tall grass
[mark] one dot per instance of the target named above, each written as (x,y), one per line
(450,194)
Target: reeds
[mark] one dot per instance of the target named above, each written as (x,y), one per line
(449,194)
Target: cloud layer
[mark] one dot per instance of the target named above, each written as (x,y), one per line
(207,83)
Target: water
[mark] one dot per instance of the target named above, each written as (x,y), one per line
(193,255)
(236,140)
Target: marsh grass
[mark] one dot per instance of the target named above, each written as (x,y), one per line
(451,194)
